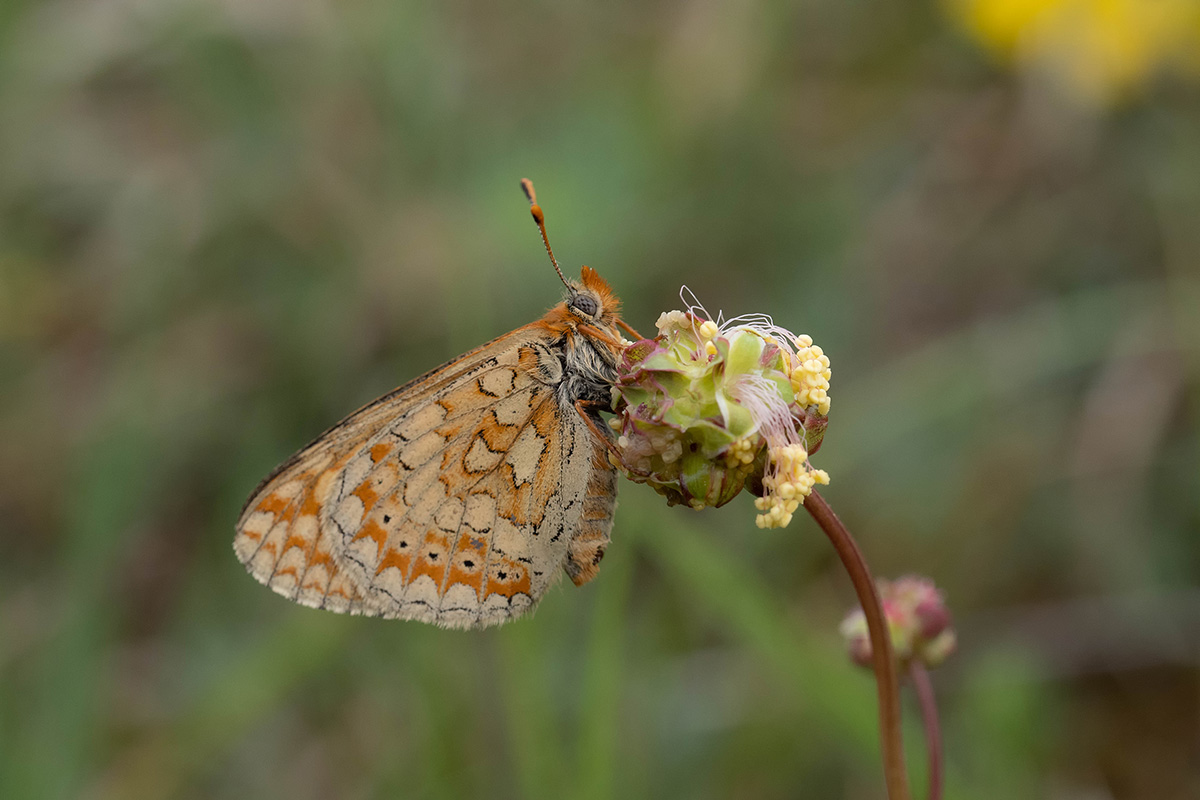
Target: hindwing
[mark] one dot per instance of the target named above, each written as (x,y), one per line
(456,499)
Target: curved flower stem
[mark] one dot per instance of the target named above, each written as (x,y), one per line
(886,678)
(929,719)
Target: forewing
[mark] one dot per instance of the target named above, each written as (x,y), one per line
(452,500)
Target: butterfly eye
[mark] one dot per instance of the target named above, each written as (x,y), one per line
(586,304)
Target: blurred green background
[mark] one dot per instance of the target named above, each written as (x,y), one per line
(224,224)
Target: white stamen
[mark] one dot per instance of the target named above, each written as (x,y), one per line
(771,415)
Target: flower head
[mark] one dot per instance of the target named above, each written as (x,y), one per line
(918,621)
(708,407)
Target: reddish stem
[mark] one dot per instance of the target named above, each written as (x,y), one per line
(883,659)
(933,731)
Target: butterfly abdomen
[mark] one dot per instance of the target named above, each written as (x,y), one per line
(595,527)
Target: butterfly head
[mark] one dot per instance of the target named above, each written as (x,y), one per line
(591,300)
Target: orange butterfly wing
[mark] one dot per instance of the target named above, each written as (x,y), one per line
(455,499)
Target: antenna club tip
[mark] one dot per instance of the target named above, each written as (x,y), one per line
(538,216)
(527,188)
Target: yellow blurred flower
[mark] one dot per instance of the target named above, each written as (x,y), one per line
(1101,50)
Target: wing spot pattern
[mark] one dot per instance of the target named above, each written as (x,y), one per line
(371,530)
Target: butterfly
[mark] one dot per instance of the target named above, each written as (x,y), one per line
(457,498)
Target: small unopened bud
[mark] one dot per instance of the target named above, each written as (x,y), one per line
(918,623)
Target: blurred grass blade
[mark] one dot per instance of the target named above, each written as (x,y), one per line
(539,756)
(603,679)
(814,672)
(243,694)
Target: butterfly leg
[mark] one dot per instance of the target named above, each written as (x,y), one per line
(596,333)
(625,326)
(583,407)
(617,459)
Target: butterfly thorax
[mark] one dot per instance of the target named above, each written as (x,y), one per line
(589,371)
(586,341)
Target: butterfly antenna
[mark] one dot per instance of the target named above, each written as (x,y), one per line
(540,219)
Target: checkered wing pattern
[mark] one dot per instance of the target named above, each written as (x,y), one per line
(457,499)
